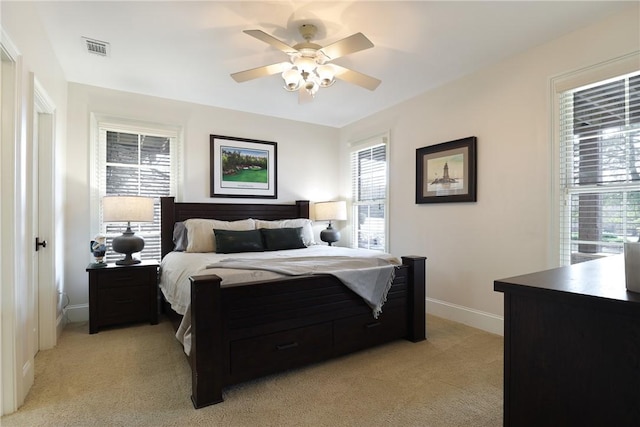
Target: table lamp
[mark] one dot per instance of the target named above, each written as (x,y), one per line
(127,209)
(330,211)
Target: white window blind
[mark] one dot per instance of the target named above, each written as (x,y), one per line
(369,194)
(599,168)
(136,161)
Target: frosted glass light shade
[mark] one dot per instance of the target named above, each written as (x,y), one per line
(304,63)
(326,73)
(291,79)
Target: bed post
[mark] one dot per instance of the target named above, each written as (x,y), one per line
(206,341)
(303,208)
(416,281)
(167,219)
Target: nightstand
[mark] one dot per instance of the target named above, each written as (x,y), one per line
(122,294)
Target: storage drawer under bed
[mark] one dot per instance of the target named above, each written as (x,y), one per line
(275,352)
(359,332)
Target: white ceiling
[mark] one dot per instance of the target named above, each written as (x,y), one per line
(185,50)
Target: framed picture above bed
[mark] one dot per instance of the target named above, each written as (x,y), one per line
(447,172)
(243,167)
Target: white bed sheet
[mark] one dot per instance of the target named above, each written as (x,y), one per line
(177,267)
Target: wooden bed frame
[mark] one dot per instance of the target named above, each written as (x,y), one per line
(252,330)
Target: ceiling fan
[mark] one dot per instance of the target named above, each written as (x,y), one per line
(309,67)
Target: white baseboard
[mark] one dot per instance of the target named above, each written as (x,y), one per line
(478,319)
(28,377)
(77,313)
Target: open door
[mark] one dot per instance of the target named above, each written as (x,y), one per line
(45,296)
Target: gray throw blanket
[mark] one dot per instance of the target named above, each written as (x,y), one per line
(370,278)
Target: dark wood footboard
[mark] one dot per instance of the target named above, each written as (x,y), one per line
(244,332)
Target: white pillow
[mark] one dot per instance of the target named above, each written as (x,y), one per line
(305,223)
(200,235)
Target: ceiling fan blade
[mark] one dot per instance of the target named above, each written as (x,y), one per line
(351,44)
(356,78)
(254,73)
(269,39)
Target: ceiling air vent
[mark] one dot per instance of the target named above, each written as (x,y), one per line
(96,47)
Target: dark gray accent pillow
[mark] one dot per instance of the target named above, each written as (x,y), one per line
(276,239)
(180,237)
(232,241)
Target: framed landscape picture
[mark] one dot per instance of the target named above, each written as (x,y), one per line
(447,172)
(243,167)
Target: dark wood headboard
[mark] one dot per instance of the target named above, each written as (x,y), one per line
(172,212)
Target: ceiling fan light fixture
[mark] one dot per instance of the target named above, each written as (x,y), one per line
(311,87)
(326,75)
(292,79)
(304,63)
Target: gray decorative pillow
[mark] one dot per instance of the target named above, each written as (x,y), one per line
(276,239)
(180,237)
(233,241)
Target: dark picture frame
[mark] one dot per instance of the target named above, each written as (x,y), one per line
(243,168)
(447,172)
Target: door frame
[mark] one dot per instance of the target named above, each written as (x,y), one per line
(10,82)
(49,323)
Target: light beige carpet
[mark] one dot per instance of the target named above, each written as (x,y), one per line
(138,376)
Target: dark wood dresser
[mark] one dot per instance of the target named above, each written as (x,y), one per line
(571,347)
(122,294)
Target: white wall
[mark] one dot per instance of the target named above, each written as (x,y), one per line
(507,231)
(307,161)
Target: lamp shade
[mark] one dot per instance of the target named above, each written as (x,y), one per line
(127,209)
(331,211)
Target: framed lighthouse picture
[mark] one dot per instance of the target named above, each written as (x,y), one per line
(446,172)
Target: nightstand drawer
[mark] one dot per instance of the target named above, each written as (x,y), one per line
(127,277)
(125,304)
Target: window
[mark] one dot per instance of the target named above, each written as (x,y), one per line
(135,160)
(369,194)
(599,168)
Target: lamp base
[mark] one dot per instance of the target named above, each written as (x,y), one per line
(127,244)
(330,235)
(128,260)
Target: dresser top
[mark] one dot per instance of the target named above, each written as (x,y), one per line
(602,279)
